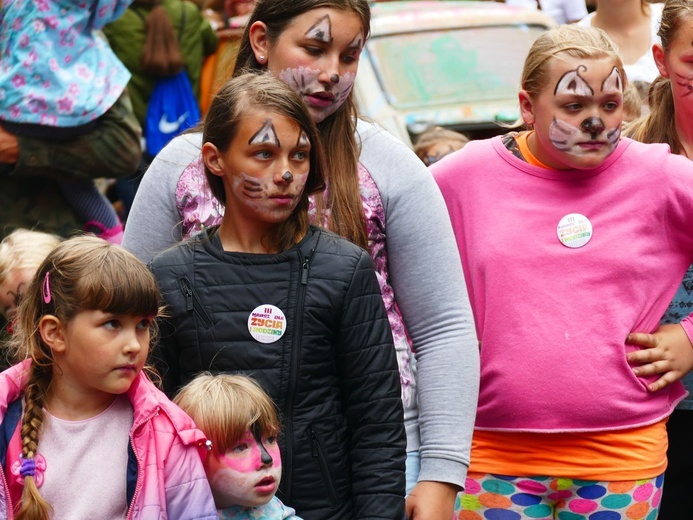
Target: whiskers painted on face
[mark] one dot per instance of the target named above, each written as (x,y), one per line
(687,83)
(250,187)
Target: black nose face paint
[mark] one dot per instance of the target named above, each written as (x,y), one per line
(334,78)
(265,457)
(288,176)
(593,126)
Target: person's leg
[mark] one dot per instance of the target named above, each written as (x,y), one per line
(94,209)
(618,500)
(501,497)
(111,150)
(678,478)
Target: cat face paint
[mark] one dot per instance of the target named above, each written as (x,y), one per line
(578,122)
(258,192)
(321,30)
(248,474)
(322,102)
(266,134)
(678,66)
(317,55)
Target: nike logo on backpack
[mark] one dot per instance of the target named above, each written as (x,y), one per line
(169,127)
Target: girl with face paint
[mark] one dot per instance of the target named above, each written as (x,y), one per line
(670,121)
(381,197)
(593,231)
(244,465)
(292,305)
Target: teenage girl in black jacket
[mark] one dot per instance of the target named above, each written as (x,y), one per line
(294,306)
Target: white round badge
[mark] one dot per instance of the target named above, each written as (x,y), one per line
(574,230)
(267,323)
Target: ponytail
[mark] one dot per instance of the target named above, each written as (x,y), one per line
(659,126)
(161,54)
(33,506)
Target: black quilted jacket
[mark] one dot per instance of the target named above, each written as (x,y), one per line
(333,374)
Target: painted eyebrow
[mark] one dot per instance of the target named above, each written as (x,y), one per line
(321,30)
(356,43)
(303,139)
(571,81)
(613,80)
(266,134)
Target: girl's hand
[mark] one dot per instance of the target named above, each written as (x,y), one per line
(667,351)
(431,501)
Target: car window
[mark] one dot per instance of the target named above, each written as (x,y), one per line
(460,66)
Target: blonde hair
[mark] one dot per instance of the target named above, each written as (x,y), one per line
(566,40)
(24,249)
(81,273)
(433,136)
(632,103)
(659,126)
(225,406)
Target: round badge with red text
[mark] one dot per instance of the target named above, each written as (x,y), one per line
(267,323)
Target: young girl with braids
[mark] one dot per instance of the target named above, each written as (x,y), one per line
(85,433)
(670,121)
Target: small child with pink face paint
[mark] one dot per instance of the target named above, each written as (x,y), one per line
(244,466)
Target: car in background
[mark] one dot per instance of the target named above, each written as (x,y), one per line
(455,64)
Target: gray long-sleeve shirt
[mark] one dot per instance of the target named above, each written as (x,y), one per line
(425,273)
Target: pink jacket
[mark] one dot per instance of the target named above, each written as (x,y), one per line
(170,481)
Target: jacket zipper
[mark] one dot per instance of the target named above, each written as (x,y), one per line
(10,506)
(140,474)
(316,450)
(193,303)
(295,359)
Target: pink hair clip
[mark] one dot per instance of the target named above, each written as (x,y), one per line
(47,288)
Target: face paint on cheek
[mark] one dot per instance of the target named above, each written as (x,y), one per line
(566,137)
(341,92)
(563,136)
(303,80)
(686,83)
(299,183)
(250,186)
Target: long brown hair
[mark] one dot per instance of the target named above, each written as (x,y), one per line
(161,54)
(338,131)
(84,273)
(239,97)
(659,126)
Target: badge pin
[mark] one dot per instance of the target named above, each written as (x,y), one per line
(574,230)
(267,323)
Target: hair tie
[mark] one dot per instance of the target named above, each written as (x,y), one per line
(28,467)
(47,288)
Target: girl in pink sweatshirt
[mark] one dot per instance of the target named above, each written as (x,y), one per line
(573,242)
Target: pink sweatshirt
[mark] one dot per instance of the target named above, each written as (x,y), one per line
(552,320)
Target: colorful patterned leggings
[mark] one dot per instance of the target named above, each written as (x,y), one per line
(498,497)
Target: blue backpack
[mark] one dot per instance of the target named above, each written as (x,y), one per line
(172,108)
